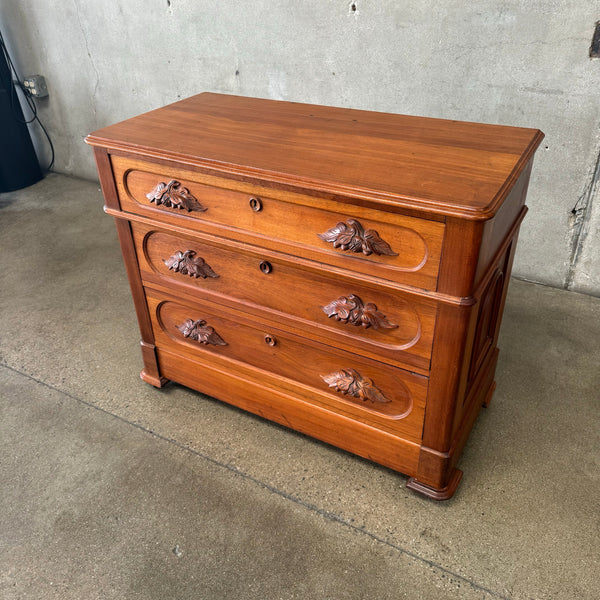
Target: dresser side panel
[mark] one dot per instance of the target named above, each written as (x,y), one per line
(499,230)
(447,365)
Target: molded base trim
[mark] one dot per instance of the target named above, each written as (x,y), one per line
(444,493)
(157,382)
(488,396)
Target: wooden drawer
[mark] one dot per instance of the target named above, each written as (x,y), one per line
(387,245)
(369,320)
(367,390)
(271,399)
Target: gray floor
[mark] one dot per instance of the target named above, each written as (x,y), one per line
(113,489)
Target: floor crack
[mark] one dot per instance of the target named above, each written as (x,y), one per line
(331,516)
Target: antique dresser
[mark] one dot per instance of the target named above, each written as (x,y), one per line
(340,272)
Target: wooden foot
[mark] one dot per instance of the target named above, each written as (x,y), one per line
(488,396)
(157,382)
(444,493)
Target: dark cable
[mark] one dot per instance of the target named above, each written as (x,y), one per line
(28,98)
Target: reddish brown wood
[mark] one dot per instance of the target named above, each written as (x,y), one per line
(243,280)
(150,372)
(488,397)
(174,195)
(287,221)
(291,357)
(503,226)
(443,493)
(352,236)
(270,397)
(107,181)
(448,167)
(348,381)
(187,263)
(480,394)
(351,309)
(316,219)
(199,331)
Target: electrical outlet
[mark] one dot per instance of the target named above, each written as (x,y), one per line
(36,86)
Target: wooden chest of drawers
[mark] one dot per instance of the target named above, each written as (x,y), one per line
(340,272)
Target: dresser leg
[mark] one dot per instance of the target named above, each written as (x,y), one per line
(157,382)
(150,373)
(444,493)
(488,396)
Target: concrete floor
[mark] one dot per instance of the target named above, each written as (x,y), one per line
(113,489)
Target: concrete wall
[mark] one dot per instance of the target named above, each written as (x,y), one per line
(513,62)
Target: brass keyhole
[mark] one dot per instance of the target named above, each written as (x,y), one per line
(255,204)
(270,340)
(266,267)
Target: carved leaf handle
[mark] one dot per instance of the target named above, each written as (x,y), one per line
(187,263)
(351,309)
(174,195)
(201,332)
(348,381)
(351,235)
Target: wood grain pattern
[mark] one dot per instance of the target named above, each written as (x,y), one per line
(199,331)
(290,223)
(341,272)
(150,373)
(448,167)
(294,407)
(292,357)
(242,281)
(349,381)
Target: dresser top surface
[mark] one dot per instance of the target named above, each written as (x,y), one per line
(433,165)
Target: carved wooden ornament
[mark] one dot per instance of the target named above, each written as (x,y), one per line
(351,235)
(201,332)
(187,263)
(351,309)
(348,381)
(174,195)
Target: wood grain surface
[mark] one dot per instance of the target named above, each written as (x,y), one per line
(448,167)
(241,282)
(285,219)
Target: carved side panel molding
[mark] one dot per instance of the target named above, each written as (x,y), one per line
(174,195)
(349,381)
(352,236)
(351,309)
(187,263)
(200,332)
(487,321)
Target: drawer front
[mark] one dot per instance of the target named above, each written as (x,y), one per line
(295,410)
(385,324)
(378,243)
(358,387)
